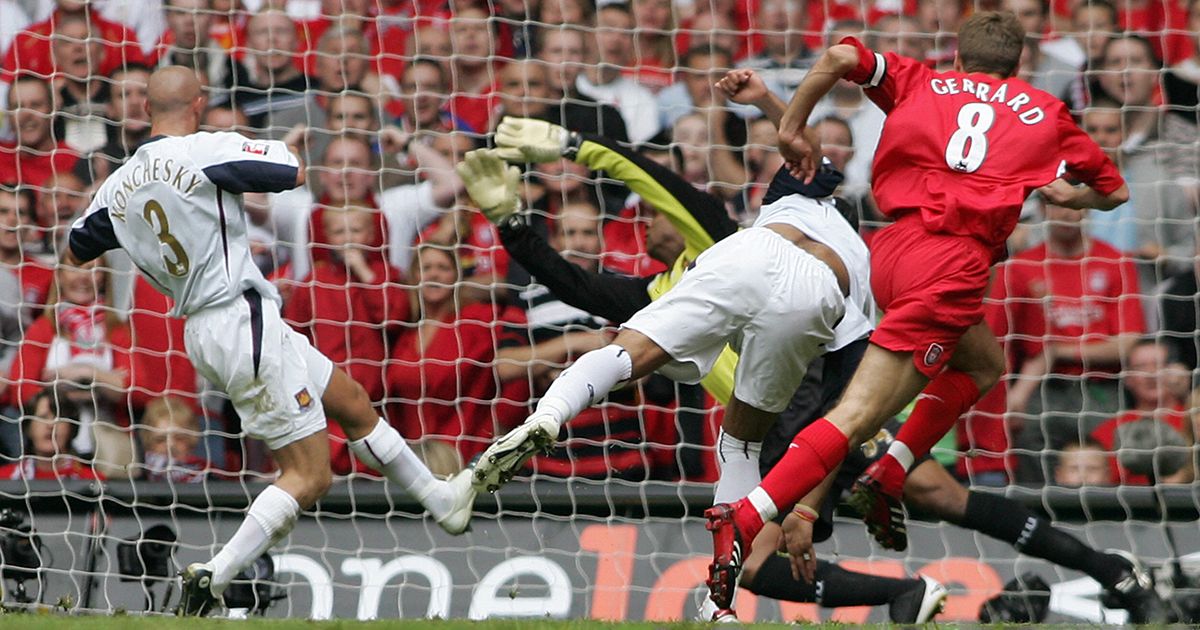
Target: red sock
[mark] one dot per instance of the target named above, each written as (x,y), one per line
(817,449)
(946,398)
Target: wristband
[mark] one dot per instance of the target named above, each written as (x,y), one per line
(805,513)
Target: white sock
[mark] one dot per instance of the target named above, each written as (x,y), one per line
(900,451)
(588,380)
(763,503)
(738,460)
(272,515)
(385,451)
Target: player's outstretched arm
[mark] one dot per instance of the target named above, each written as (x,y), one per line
(745,86)
(1061,193)
(802,156)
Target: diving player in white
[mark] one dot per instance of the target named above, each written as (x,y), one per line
(176,208)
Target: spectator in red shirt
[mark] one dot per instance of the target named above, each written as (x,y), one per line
(30,51)
(76,350)
(1081,465)
(441,380)
(654,65)
(1146,381)
(48,434)
(472,72)
(34,155)
(169,434)
(424,87)
(35,278)
(1071,313)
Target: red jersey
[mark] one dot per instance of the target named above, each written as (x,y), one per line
(34,168)
(31,50)
(1106,436)
(1083,299)
(966,150)
(64,468)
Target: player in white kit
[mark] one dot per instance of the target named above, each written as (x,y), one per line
(790,288)
(175,207)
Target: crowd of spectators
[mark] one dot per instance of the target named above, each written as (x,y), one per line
(386,267)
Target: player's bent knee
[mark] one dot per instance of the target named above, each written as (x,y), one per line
(347,403)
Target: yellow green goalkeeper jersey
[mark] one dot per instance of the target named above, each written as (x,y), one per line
(700,218)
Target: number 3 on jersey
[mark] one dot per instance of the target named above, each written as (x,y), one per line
(180,265)
(968,147)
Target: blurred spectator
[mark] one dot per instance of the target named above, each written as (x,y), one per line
(1165,213)
(382,54)
(1082,464)
(516,27)
(424,87)
(34,277)
(48,432)
(84,357)
(65,199)
(655,60)
(432,41)
(1093,24)
(440,379)
(350,304)
(763,161)
(13,20)
(267,85)
(471,67)
(837,144)
(603,81)
(128,124)
(1145,379)
(784,58)
(523,90)
(188,41)
(560,12)
(1190,68)
(226,118)
(561,50)
(30,52)
(350,112)
(33,155)
(81,93)
(348,176)
(343,62)
(1044,71)
(169,435)
(1118,227)
(1071,311)
(12,203)
(718,145)
(711,29)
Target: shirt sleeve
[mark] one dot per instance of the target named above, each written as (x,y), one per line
(1084,158)
(883,76)
(240,165)
(92,234)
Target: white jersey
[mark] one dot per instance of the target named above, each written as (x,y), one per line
(821,222)
(176,208)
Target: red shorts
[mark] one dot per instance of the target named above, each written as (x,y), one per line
(931,288)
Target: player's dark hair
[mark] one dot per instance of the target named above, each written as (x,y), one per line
(1098,4)
(990,42)
(705,50)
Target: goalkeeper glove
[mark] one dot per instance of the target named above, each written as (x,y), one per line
(531,140)
(492,185)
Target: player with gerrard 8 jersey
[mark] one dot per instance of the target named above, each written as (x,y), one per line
(176,208)
(959,154)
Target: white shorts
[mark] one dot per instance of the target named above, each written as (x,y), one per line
(272,374)
(775,304)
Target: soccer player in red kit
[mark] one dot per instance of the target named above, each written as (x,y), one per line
(959,154)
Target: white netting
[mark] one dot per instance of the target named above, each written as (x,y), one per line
(385,97)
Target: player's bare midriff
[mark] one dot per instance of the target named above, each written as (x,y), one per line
(820,251)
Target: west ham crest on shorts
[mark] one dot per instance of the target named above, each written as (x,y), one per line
(304,398)
(933,354)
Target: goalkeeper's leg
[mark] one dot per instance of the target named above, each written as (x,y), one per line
(381,447)
(304,477)
(630,356)
(932,489)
